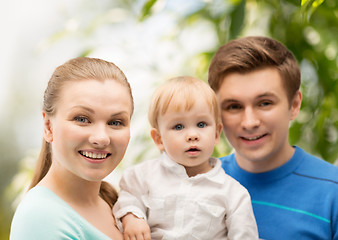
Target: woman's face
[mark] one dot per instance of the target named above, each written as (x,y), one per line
(90,129)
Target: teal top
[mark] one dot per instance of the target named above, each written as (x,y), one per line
(44,215)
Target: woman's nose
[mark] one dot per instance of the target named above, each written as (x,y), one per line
(99,136)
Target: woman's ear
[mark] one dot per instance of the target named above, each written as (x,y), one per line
(47,128)
(295,105)
(156,136)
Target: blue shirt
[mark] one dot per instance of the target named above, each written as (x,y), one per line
(298,200)
(44,215)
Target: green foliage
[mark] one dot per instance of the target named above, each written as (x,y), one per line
(237,19)
(308,7)
(146,9)
(5,224)
(310,30)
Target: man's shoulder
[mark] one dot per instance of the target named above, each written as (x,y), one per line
(228,161)
(316,168)
(228,158)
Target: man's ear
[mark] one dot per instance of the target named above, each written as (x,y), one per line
(47,128)
(295,105)
(219,128)
(156,136)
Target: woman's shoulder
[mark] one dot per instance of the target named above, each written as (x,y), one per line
(38,200)
(41,214)
(44,215)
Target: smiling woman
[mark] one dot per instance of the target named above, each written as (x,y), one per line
(87,110)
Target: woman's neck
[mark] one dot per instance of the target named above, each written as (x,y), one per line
(83,196)
(71,188)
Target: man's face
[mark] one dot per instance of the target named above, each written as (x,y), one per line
(256,115)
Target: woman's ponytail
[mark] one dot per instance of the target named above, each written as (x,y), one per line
(108,193)
(43,164)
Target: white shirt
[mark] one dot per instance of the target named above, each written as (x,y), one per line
(211,205)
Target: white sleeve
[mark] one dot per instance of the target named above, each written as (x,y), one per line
(240,222)
(132,187)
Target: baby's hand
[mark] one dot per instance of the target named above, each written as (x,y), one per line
(135,228)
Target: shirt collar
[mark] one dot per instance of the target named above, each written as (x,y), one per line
(213,175)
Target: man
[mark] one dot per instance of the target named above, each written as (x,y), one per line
(294,194)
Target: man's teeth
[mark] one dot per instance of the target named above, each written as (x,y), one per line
(94,155)
(254,138)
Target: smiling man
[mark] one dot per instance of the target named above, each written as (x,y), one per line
(294,194)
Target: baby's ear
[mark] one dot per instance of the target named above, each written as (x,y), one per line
(219,128)
(156,136)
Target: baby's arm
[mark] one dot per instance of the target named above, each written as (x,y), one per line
(135,228)
(130,210)
(241,221)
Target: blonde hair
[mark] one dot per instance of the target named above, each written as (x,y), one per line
(77,69)
(180,94)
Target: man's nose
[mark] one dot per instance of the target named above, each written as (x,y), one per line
(250,119)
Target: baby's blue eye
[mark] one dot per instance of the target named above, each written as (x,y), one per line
(201,124)
(178,127)
(81,119)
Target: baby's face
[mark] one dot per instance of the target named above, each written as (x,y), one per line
(189,136)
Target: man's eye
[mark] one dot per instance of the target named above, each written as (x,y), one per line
(178,127)
(265,103)
(234,107)
(81,119)
(201,124)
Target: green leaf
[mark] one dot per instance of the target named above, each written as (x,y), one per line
(237,19)
(86,52)
(308,7)
(146,9)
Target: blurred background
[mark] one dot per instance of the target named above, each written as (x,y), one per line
(152,41)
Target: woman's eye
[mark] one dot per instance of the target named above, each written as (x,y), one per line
(178,127)
(115,123)
(81,119)
(201,124)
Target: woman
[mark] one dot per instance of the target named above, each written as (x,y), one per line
(87,110)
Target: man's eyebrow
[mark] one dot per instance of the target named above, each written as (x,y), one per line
(267,94)
(262,95)
(229,100)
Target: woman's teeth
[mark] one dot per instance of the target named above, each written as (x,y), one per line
(94,155)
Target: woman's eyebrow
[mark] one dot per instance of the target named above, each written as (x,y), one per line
(84,108)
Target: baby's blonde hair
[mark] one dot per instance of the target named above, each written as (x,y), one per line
(179,94)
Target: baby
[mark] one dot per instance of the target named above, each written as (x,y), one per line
(184,194)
